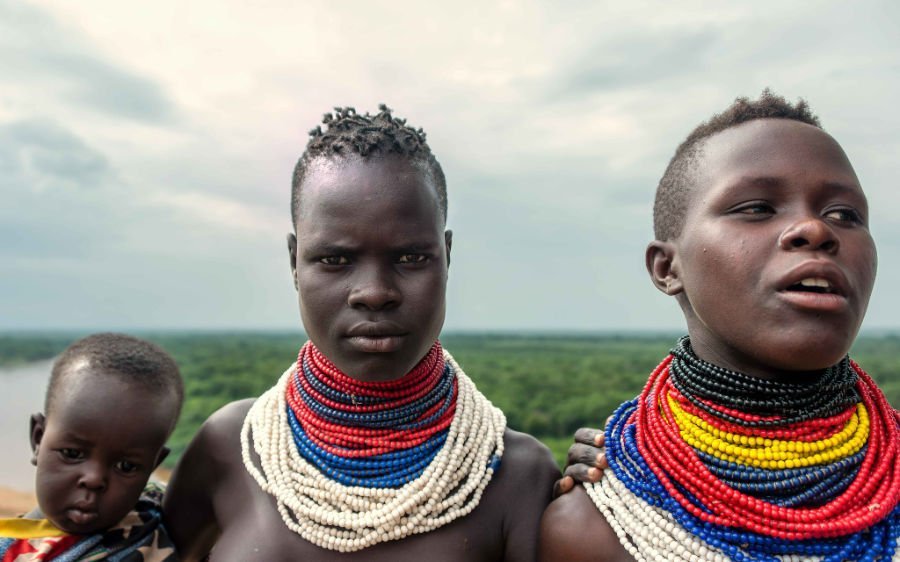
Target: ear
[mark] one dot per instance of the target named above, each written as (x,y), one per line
(36,428)
(163,453)
(448,243)
(662,265)
(292,252)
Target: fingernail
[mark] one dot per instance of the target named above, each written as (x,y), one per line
(598,439)
(593,473)
(600,458)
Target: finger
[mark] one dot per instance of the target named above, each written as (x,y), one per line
(562,486)
(583,473)
(584,454)
(587,435)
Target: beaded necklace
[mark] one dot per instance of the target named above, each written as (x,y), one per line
(709,464)
(352,463)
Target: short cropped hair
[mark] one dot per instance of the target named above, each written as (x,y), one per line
(672,193)
(133,360)
(347,132)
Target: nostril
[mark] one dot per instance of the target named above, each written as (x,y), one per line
(798,242)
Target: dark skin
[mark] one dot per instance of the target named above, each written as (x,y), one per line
(369,259)
(96,449)
(776,203)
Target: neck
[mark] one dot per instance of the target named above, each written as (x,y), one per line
(740,362)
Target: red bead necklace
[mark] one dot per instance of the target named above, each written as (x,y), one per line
(311,406)
(871,496)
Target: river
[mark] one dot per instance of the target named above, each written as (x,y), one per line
(21,394)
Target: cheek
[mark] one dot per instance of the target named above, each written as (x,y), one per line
(53,483)
(124,494)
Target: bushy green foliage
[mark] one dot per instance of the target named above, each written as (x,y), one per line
(16,349)
(547,385)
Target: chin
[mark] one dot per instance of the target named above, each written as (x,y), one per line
(813,355)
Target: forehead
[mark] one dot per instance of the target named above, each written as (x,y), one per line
(339,189)
(777,149)
(88,398)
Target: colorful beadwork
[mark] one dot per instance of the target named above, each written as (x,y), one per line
(351,464)
(377,435)
(701,472)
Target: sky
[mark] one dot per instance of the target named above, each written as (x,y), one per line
(146,148)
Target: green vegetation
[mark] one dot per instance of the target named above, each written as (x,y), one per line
(547,385)
(16,349)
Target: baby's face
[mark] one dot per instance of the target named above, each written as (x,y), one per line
(96,450)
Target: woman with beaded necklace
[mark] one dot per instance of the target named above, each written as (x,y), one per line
(373,445)
(757,438)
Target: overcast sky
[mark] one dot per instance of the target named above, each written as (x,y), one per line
(146,148)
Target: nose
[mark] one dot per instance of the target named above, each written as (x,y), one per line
(809,233)
(93,477)
(375,288)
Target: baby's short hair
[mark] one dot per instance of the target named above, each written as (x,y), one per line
(670,206)
(347,132)
(133,360)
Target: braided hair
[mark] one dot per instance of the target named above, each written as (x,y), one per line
(670,206)
(346,132)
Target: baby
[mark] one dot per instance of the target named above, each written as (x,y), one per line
(111,404)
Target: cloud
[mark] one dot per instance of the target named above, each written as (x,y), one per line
(627,59)
(39,55)
(39,155)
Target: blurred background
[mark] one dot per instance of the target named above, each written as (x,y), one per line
(146,151)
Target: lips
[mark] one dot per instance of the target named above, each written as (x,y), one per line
(82,515)
(817,285)
(376,337)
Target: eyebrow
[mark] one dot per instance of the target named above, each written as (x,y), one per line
(80,441)
(776,182)
(331,248)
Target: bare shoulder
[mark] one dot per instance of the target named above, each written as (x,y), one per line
(574,530)
(210,459)
(526,458)
(223,427)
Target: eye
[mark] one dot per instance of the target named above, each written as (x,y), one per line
(71,454)
(334,260)
(756,208)
(844,215)
(412,258)
(127,467)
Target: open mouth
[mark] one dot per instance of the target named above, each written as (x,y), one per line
(813,285)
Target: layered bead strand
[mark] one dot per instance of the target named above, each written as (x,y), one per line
(751,476)
(378,435)
(352,464)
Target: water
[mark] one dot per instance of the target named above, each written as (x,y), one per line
(21,394)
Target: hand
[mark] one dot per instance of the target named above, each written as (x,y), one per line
(586,460)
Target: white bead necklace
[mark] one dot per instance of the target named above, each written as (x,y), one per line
(651,534)
(350,518)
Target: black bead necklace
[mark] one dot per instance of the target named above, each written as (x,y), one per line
(831,393)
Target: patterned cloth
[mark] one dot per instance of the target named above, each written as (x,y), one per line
(139,537)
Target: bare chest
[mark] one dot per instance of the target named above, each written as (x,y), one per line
(252,529)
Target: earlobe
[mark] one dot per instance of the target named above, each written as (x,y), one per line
(448,243)
(36,427)
(292,253)
(662,265)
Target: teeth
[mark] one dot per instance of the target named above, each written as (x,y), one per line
(815,282)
